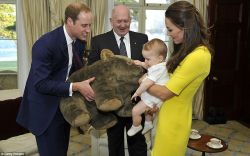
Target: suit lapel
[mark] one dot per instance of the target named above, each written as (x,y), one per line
(133,46)
(112,40)
(62,42)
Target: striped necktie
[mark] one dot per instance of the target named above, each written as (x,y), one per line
(122,47)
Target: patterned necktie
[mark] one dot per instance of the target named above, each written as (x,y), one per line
(122,47)
(76,61)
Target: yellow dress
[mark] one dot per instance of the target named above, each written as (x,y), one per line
(175,115)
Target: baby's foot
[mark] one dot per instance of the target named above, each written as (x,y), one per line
(147,127)
(133,130)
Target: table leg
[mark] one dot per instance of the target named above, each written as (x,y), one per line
(203,153)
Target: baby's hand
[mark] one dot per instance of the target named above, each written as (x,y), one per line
(137,62)
(134,96)
(140,79)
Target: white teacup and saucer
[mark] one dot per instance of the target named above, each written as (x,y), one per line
(194,134)
(215,143)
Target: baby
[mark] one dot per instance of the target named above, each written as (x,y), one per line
(154,52)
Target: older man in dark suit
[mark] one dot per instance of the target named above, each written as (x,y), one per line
(121,41)
(54,56)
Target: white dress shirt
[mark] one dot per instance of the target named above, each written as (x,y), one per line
(69,41)
(126,41)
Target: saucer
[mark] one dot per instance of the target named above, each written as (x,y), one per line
(209,144)
(197,136)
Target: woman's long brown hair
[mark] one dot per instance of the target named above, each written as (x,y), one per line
(186,17)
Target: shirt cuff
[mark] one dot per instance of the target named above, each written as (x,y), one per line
(70,90)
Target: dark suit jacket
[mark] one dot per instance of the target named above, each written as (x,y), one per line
(46,81)
(108,41)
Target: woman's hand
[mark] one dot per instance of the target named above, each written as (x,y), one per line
(153,110)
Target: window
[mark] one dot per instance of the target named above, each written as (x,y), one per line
(148,16)
(8,45)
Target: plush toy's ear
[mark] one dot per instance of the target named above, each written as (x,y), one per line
(106,53)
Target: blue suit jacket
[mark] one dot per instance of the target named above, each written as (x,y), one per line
(46,81)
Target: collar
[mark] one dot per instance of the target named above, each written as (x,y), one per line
(117,37)
(69,40)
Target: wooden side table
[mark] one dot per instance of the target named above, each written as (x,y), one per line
(201,144)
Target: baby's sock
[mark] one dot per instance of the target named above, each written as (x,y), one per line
(147,126)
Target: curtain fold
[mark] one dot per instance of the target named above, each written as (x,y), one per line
(42,16)
(57,13)
(23,65)
(57,9)
(202,5)
(198,103)
(36,21)
(100,12)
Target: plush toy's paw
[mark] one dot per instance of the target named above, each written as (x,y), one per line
(100,120)
(80,120)
(74,111)
(103,121)
(110,105)
(125,110)
(84,129)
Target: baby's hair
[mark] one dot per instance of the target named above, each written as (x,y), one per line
(157,45)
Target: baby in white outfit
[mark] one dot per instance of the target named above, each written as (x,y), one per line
(154,52)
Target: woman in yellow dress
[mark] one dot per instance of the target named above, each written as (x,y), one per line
(188,66)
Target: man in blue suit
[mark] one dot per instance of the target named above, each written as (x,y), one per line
(132,48)
(54,57)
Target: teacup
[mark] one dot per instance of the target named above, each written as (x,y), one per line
(194,132)
(215,141)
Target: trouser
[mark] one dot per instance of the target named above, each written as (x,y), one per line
(55,140)
(136,144)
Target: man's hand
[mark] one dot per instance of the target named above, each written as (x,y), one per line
(85,89)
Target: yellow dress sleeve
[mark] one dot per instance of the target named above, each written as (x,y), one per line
(193,66)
